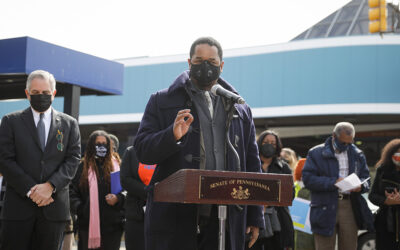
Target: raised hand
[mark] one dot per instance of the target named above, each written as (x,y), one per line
(182,123)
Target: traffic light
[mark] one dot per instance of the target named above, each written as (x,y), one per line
(377,16)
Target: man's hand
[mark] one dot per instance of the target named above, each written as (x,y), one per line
(357,189)
(46,202)
(41,193)
(182,123)
(111,199)
(254,234)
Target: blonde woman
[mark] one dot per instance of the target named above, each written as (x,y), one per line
(290,157)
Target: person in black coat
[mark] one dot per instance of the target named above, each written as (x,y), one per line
(135,199)
(279,231)
(40,149)
(385,194)
(176,132)
(98,158)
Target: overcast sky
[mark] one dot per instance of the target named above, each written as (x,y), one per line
(131,28)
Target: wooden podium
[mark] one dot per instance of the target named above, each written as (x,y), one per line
(225,188)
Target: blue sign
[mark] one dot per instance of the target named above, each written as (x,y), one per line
(300,212)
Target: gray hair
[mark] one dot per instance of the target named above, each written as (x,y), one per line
(346,127)
(43,75)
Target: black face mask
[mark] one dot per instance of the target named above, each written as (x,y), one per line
(267,150)
(340,146)
(205,73)
(41,102)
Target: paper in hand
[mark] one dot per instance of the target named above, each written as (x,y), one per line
(350,182)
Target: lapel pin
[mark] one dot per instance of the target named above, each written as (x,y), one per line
(60,137)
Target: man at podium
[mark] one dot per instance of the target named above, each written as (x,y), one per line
(184,127)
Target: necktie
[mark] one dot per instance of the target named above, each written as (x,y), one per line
(41,132)
(209,103)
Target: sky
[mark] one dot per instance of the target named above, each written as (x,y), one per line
(130,28)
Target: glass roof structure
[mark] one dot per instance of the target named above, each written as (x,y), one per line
(350,20)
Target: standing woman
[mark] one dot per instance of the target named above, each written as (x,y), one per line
(100,213)
(279,231)
(385,194)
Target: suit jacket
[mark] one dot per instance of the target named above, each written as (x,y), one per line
(130,181)
(24,164)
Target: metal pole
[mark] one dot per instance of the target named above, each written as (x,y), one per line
(72,94)
(222,226)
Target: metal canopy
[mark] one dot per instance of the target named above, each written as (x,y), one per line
(20,56)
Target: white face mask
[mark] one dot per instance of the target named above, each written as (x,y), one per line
(101,150)
(396,159)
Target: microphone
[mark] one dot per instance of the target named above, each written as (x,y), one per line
(219,90)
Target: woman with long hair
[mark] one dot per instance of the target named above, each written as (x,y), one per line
(385,194)
(100,213)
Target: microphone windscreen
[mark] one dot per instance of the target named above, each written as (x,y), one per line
(214,89)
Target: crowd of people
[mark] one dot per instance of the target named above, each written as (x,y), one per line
(52,193)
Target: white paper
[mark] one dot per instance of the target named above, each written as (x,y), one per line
(350,182)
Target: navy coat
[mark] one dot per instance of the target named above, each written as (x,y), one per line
(171,225)
(320,173)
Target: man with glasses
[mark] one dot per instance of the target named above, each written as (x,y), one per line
(334,212)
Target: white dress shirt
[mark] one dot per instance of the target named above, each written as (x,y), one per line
(46,121)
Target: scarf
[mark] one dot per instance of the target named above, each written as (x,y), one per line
(94,214)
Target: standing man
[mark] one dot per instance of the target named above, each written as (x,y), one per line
(183,127)
(334,212)
(39,155)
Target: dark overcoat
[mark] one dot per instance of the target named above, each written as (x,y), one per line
(387,219)
(171,225)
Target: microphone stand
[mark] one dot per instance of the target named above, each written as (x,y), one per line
(222,209)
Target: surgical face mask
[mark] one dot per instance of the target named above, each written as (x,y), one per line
(340,146)
(267,150)
(205,73)
(101,150)
(41,102)
(396,159)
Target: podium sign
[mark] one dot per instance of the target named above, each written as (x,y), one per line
(225,188)
(216,188)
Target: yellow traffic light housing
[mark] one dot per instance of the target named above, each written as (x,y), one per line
(377,16)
